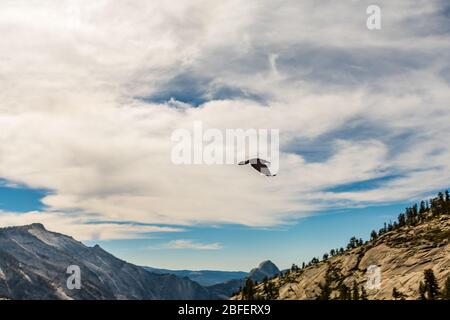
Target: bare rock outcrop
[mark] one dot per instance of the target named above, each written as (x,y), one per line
(402,256)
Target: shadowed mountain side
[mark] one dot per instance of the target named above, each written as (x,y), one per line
(266,269)
(33,264)
(203,277)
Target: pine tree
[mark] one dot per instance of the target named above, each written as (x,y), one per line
(373,235)
(446,290)
(422,291)
(269,290)
(397,295)
(355,295)
(353,243)
(248,292)
(401,220)
(447,202)
(441,203)
(434,207)
(325,289)
(314,261)
(363,293)
(272,292)
(415,212)
(422,207)
(344,292)
(429,287)
(409,216)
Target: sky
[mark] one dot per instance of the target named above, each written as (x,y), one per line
(92,91)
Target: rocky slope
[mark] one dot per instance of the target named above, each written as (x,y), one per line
(402,255)
(33,264)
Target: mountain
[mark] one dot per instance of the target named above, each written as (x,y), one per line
(266,269)
(403,251)
(33,264)
(203,277)
(220,278)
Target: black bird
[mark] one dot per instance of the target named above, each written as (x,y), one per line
(259,165)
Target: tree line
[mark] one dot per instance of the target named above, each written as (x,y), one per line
(412,216)
(428,288)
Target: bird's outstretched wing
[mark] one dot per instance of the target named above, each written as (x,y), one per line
(254,161)
(259,165)
(263,161)
(265,171)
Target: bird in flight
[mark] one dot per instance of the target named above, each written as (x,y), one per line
(260,165)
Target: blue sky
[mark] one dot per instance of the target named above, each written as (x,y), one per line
(241,247)
(20,199)
(244,247)
(87,122)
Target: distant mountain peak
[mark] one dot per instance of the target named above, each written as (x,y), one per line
(35,226)
(39,226)
(267,264)
(265,269)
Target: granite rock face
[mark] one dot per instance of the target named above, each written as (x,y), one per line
(402,256)
(265,269)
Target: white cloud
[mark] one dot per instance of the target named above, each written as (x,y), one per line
(81,227)
(191,245)
(71,121)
